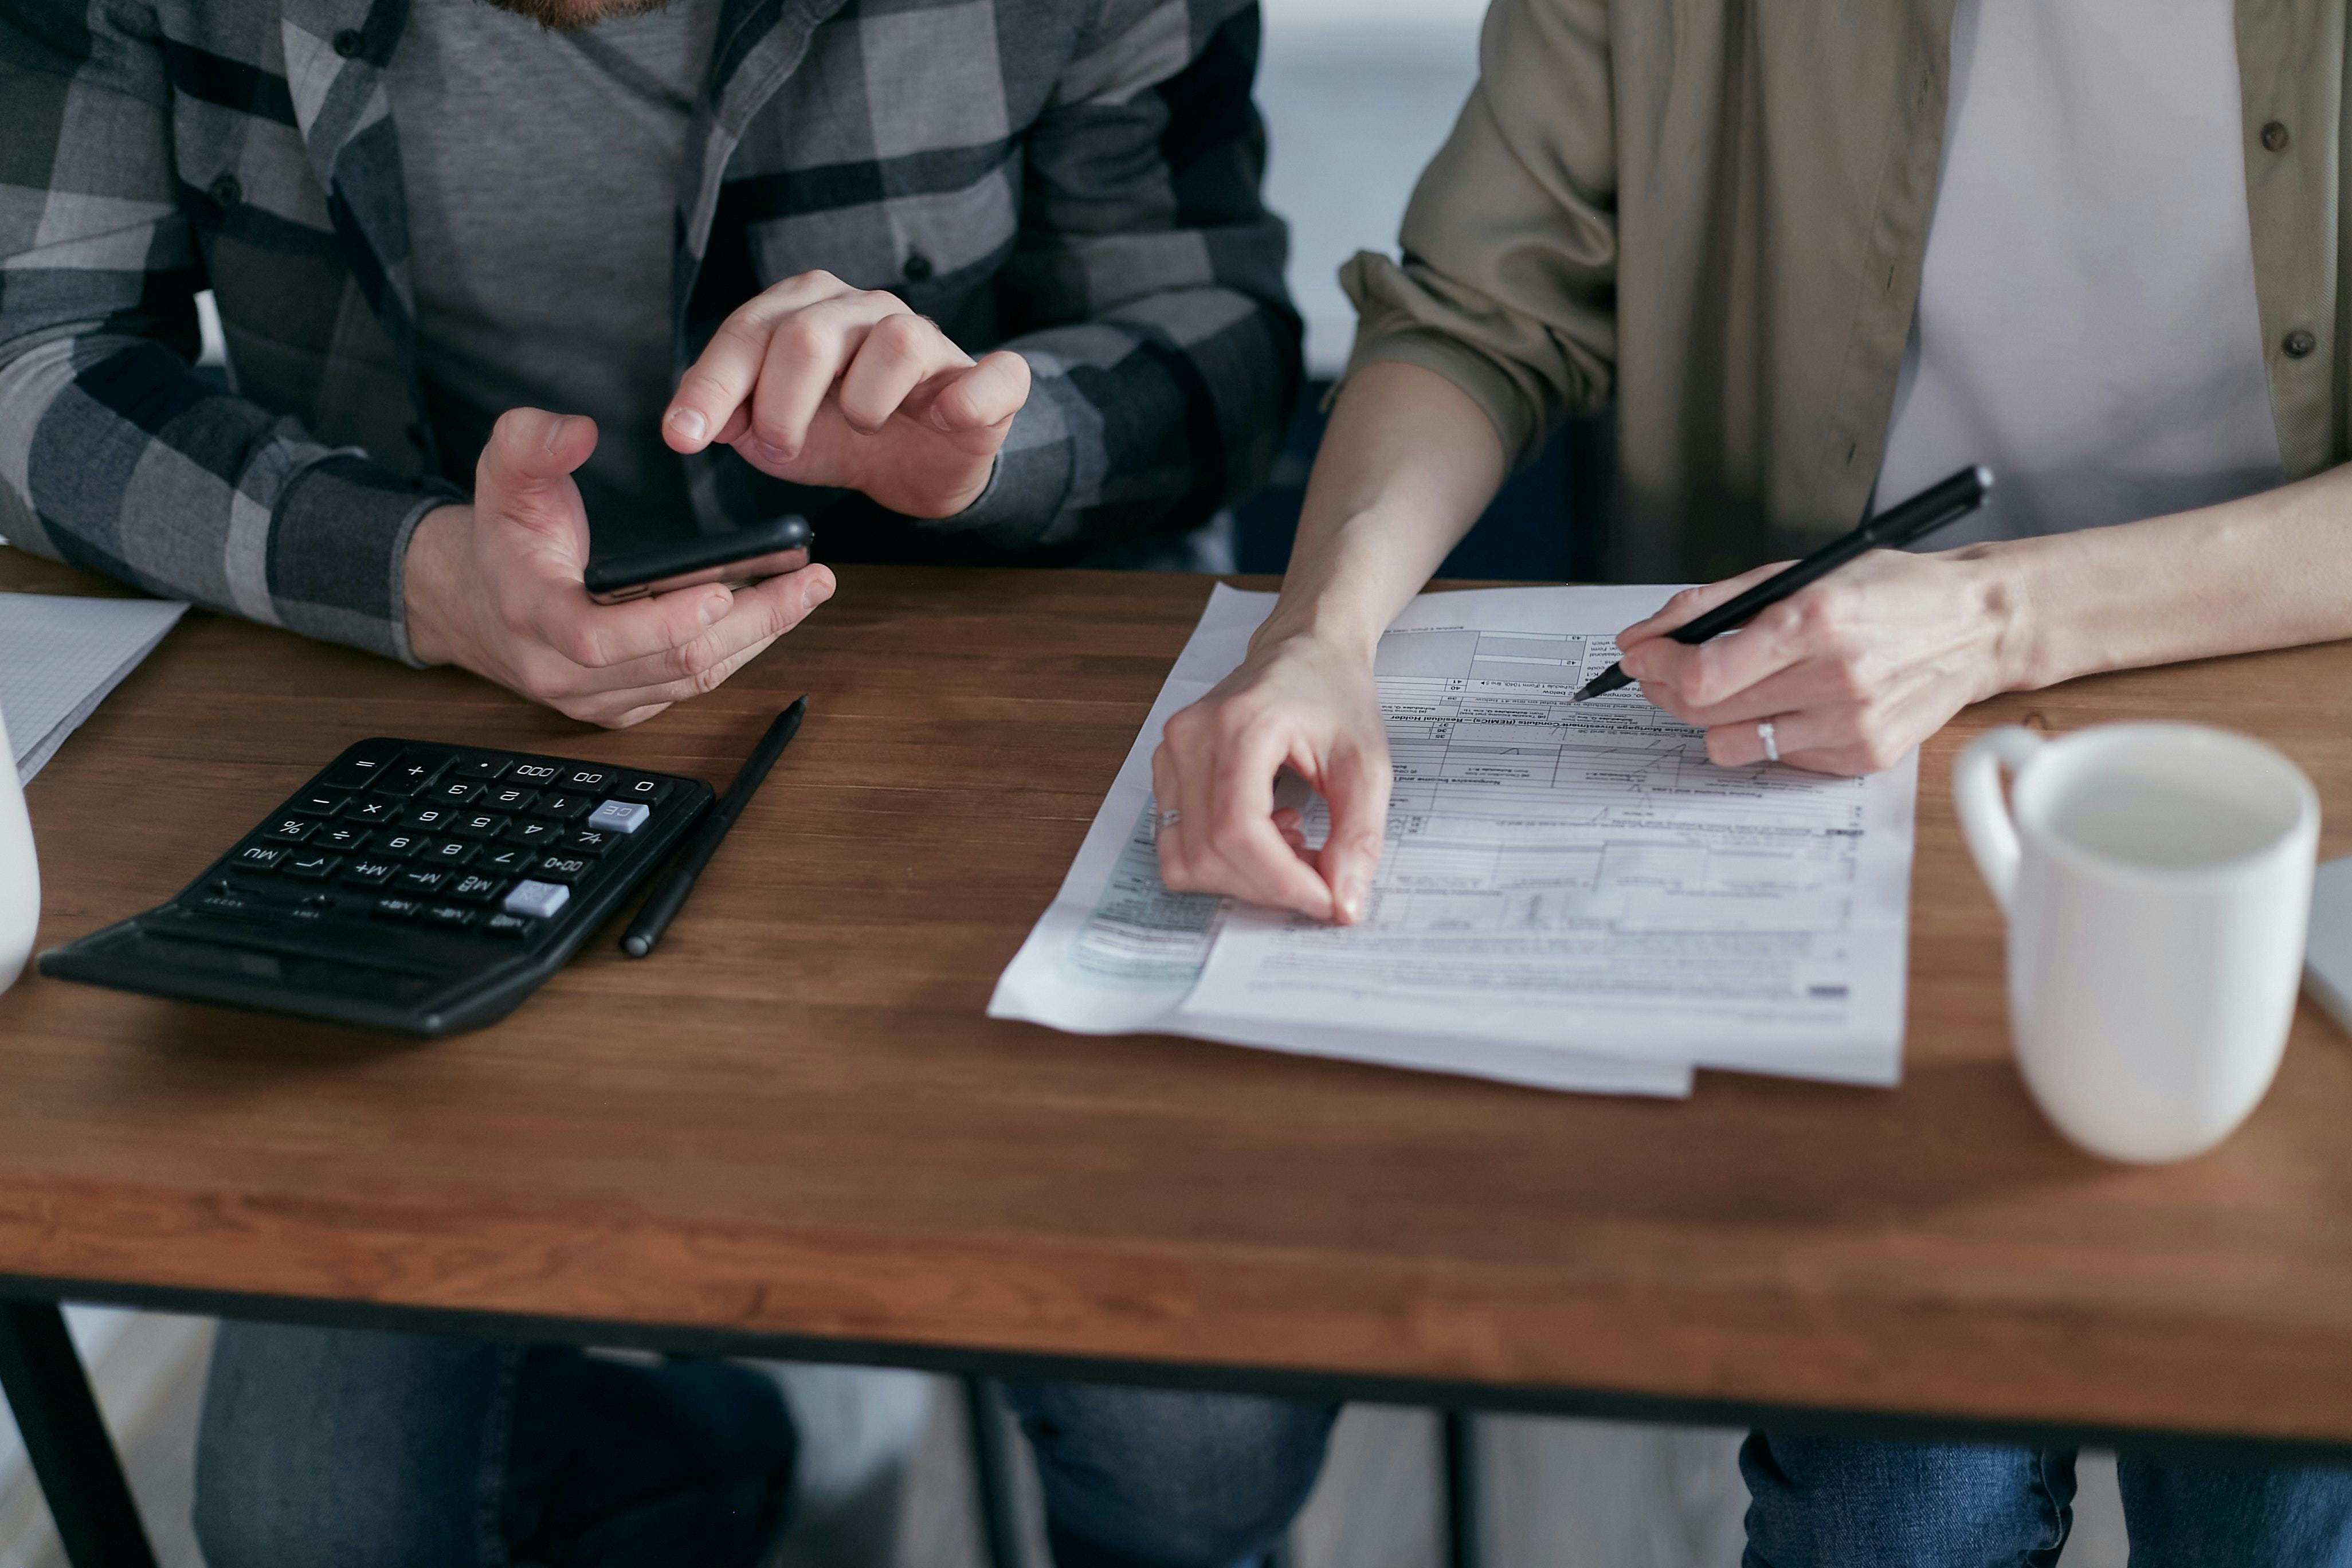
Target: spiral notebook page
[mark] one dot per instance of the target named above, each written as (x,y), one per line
(58,658)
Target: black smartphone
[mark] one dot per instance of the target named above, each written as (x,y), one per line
(738,558)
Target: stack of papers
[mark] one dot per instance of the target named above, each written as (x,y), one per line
(1571,896)
(58,658)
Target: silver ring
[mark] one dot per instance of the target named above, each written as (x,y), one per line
(1170,818)
(1771,743)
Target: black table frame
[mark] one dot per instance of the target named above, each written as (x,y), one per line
(99,1526)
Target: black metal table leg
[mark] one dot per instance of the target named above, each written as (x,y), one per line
(72,1455)
(1461,1545)
(992,1473)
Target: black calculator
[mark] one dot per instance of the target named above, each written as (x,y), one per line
(411,887)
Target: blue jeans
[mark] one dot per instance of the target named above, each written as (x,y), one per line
(378,1450)
(1819,1502)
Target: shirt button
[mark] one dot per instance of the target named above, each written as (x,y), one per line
(349,43)
(228,192)
(2299,344)
(919,267)
(2274,136)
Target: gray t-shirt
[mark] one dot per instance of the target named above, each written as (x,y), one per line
(542,172)
(2087,323)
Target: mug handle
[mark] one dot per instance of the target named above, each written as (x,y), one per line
(1984,815)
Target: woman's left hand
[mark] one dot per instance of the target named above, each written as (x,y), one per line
(1851,672)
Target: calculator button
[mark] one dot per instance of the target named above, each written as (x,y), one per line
(473,887)
(535,835)
(373,809)
(310,866)
(562,807)
(453,792)
(589,841)
(370,872)
(420,879)
(620,816)
(478,767)
(562,868)
(480,824)
(504,924)
(504,861)
(235,906)
(410,773)
(536,772)
(361,767)
(399,846)
(290,829)
(396,909)
(450,852)
(341,837)
(318,803)
(589,781)
(449,915)
(537,899)
(637,786)
(510,797)
(260,856)
(437,816)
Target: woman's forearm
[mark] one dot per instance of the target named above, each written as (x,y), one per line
(2267,571)
(1408,464)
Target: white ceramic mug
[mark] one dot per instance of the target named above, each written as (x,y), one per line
(20,878)
(2157,879)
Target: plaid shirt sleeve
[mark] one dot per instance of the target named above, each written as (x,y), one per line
(1146,288)
(115,455)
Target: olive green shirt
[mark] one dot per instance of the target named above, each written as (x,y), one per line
(1715,215)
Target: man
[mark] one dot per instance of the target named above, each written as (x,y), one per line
(672,268)
(419,216)
(1812,251)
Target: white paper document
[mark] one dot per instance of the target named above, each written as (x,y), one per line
(60,655)
(1570,895)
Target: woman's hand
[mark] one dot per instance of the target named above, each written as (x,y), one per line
(1853,672)
(1301,701)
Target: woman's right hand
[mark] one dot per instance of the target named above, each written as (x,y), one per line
(1301,701)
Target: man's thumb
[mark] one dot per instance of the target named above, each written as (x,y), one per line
(531,453)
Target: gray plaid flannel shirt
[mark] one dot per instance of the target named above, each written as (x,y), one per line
(1076,179)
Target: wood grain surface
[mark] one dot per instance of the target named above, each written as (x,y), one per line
(795,1120)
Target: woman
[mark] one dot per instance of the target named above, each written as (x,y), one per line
(1812,253)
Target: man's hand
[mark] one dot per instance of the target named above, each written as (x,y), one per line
(1853,671)
(1300,702)
(820,383)
(496,587)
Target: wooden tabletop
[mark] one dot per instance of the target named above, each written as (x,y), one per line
(795,1120)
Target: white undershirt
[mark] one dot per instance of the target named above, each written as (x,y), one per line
(2087,324)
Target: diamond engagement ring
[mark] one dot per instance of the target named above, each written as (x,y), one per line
(1170,817)
(1771,743)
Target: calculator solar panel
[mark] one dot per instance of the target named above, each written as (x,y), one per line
(412,887)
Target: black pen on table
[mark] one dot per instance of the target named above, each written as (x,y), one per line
(1948,500)
(677,880)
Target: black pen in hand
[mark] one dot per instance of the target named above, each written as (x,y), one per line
(676,878)
(1943,502)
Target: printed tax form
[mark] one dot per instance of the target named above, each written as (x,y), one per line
(1570,896)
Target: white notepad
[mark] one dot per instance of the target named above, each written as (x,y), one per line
(58,658)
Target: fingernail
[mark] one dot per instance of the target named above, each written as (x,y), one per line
(688,423)
(555,430)
(714,609)
(1351,900)
(815,593)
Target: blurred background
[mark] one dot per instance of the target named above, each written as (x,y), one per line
(1357,95)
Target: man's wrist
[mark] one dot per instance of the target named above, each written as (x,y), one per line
(430,582)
